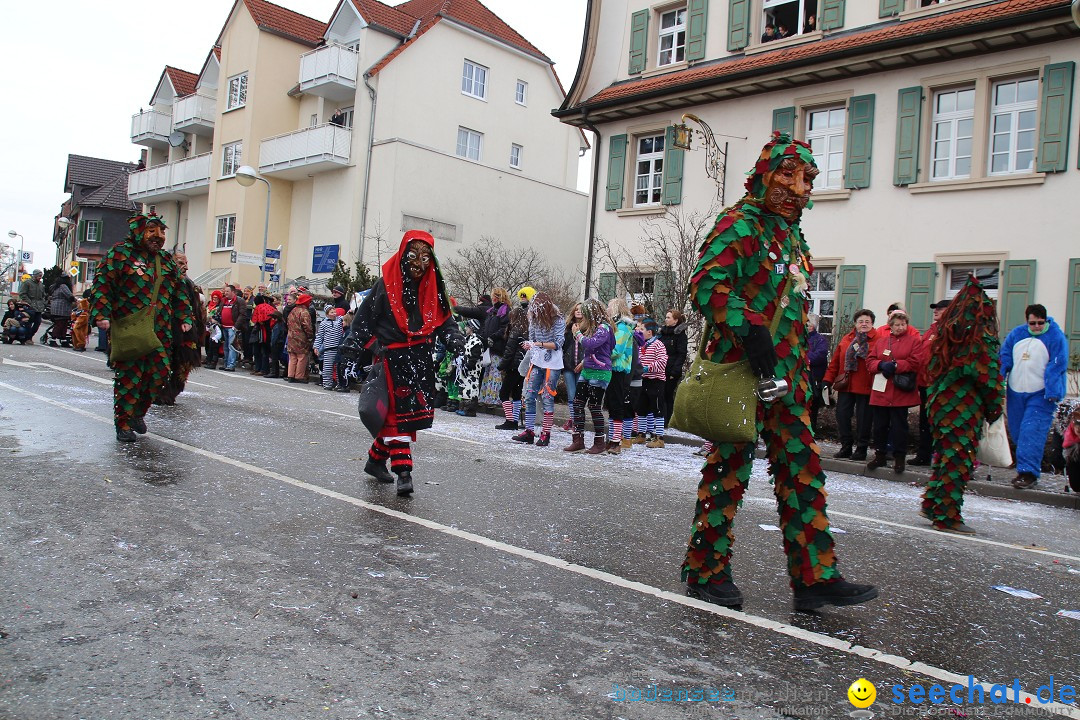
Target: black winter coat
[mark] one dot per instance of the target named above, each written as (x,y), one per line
(674,339)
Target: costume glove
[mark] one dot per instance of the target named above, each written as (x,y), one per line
(758,344)
(887,368)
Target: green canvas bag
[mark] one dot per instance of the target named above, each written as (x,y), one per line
(133,336)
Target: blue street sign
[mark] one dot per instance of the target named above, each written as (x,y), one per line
(324,258)
(273,253)
(269,267)
(275,278)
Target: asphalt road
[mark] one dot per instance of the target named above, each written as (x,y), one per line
(236,563)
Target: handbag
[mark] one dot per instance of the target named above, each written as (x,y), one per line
(842,381)
(717,401)
(485,359)
(132,336)
(905,381)
(994,445)
(523,366)
(374,403)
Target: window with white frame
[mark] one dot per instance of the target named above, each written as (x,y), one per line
(474,80)
(225,237)
(672,40)
(314,120)
(93,231)
(825,136)
(521,92)
(649,170)
(987,275)
(237,92)
(515,156)
(348,113)
(230,158)
(823,298)
(91,270)
(787,18)
(469,143)
(1012,126)
(639,288)
(952,133)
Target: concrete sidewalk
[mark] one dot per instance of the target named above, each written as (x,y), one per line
(991,482)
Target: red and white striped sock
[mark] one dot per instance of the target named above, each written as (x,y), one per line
(616,430)
(549,420)
(508,410)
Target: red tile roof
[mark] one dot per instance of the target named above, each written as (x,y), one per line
(384,16)
(471,13)
(287,23)
(966,19)
(183,82)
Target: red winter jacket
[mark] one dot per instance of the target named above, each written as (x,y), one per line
(906,350)
(860,380)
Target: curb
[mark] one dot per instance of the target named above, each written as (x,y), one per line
(978,487)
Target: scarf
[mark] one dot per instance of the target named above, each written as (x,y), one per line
(851,359)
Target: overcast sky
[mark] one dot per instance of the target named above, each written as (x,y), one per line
(78,71)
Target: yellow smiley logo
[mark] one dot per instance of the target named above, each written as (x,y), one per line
(862,693)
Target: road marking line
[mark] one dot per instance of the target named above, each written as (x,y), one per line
(808,636)
(16,363)
(76,373)
(426,432)
(103,360)
(277,384)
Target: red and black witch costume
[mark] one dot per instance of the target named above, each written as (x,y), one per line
(399,322)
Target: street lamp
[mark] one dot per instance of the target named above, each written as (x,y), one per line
(246,176)
(18,261)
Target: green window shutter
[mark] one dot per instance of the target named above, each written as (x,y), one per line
(831,15)
(616,169)
(908,128)
(920,293)
(673,169)
(80,231)
(1016,293)
(1057,86)
(860,141)
(606,286)
(697,16)
(889,8)
(663,298)
(639,41)
(738,36)
(1072,312)
(783,119)
(850,280)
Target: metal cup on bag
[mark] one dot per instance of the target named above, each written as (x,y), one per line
(772,389)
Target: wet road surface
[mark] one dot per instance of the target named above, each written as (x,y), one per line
(237,563)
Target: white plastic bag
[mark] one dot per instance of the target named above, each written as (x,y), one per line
(485,359)
(994,445)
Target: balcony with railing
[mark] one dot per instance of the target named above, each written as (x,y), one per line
(172,181)
(298,154)
(151,128)
(329,72)
(195,114)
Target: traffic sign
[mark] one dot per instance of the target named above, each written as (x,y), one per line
(324,258)
(275,278)
(27,257)
(249,258)
(271,253)
(269,267)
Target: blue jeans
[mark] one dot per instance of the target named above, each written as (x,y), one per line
(544,382)
(570,378)
(227,335)
(1030,416)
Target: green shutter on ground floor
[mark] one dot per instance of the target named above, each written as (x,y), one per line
(783,119)
(860,141)
(888,8)
(1057,87)
(1016,291)
(1072,312)
(663,296)
(908,127)
(831,15)
(673,169)
(697,18)
(921,280)
(639,41)
(850,280)
(738,25)
(605,286)
(616,170)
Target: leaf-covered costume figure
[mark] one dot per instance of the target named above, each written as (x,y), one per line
(751,255)
(123,284)
(965,389)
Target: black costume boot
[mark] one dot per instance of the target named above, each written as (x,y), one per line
(138,425)
(839,592)
(725,593)
(378,471)
(125,435)
(404,483)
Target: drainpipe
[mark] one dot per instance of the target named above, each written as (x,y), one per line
(592,206)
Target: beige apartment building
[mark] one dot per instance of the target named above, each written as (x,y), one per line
(443,123)
(946,132)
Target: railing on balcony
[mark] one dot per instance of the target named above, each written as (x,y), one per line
(315,149)
(194,112)
(329,72)
(151,127)
(174,180)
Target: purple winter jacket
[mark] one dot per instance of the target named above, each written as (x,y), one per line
(597,349)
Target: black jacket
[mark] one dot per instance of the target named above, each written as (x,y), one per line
(674,339)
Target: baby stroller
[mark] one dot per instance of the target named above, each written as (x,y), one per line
(47,336)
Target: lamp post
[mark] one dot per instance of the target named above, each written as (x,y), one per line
(246,176)
(18,261)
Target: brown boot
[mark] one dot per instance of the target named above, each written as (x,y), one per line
(577,445)
(899,460)
(599,445)
(877,461)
